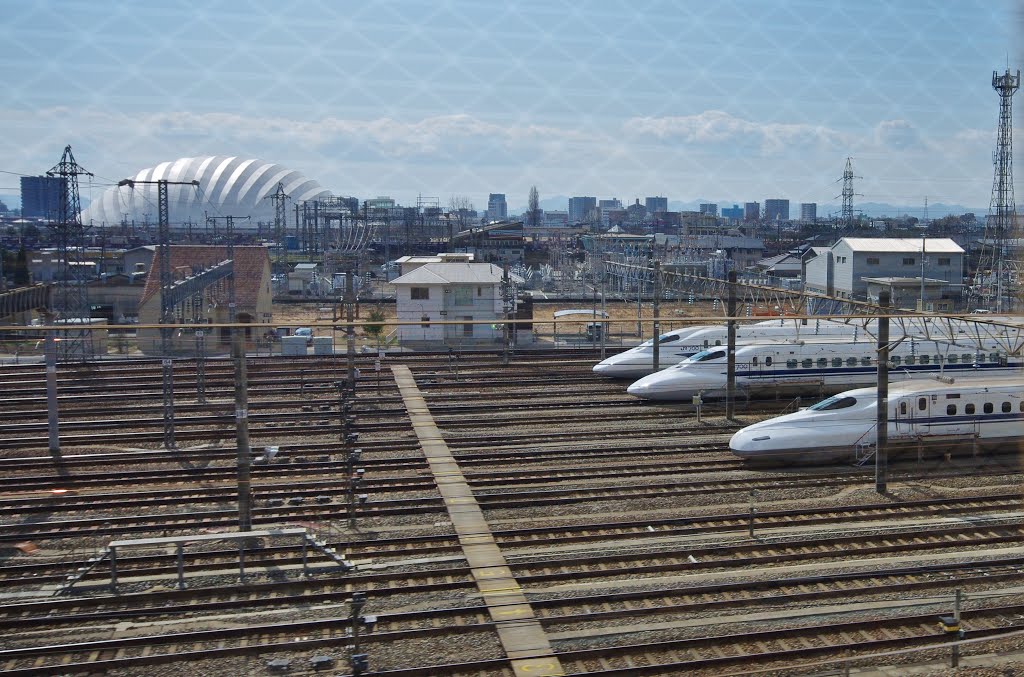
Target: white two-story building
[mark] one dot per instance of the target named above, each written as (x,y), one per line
(467,295)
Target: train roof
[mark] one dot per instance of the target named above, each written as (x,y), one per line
(934,385)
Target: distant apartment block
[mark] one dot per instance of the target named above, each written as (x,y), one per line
(41,196)
(497,208)
(734,213)
(556,218)
(606,207)
(656,204)
(776,209)
(580,208)
(809,211)
(751,211)
(709,208)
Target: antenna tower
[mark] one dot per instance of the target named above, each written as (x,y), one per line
(71,301)
(994,267)
(846,218)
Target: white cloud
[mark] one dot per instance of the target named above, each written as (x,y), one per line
(716,128)
(897,135)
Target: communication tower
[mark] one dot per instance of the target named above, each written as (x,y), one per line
(995,269)
(71,298)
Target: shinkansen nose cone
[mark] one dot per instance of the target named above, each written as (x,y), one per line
(671,384)
(630,364)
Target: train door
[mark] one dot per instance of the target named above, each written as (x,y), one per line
(911,415)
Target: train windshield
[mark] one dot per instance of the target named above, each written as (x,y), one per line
(662,340)
(834,403)
(705,355)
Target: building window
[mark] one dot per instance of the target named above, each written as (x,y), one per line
(467,329)
(909,261)
(479,292)
(873,261)
(419,293)
(944,261)
(425,319)
(463,295)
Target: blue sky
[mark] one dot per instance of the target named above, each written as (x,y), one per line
(730,100)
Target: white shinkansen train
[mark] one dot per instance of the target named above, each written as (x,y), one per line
(676,346)
(969,412)
(817,368)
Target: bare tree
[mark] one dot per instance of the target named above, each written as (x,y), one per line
(533,211)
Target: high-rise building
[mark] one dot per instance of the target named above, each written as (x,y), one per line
(41,196)
(497,209)
(809,211)
(580,208)
(776,209)
(607,206)
(709,208)
(751,211)
(656,204)
(734,213)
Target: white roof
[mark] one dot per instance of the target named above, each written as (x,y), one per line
(456,273)
(933,245)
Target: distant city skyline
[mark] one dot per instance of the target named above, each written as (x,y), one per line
(731,101)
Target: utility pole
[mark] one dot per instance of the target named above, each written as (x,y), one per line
(280,218)
(242,431)
(657,315)
(350,328)
(506,293)
(730,382)
(848,194)
(882,409)
(163,251)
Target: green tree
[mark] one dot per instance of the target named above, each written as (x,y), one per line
(20,275)
(376,326)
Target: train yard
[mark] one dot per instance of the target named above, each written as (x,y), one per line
(519,519)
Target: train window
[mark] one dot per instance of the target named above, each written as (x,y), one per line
(966,358)
(1007,407)
(718,342)
(753,360)
(903,408)
(988,408)
(865,361)
(910,359)
(669,338)
(922,403)
(895,360)
(837,361)
(925,359)
(952,359)
(822,362)
(834,403)
(807,363)
(851,361)
(969,408)
(707,355)
(791,364)
(994,357)
(1022,405)
(706,344)
(768,361)
(950,410)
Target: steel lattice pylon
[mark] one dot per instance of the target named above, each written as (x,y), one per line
(996,271)
(71,300)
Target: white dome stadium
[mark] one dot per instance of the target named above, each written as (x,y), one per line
(228,186)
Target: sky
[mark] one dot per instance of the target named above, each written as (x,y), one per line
(727,101)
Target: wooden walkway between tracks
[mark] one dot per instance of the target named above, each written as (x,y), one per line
(521,634)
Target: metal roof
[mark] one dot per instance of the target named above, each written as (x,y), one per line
(455,273)
(933,245)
